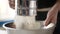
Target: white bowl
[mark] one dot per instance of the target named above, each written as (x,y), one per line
(42,30)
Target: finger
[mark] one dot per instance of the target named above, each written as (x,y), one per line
(47,21)
(52,19)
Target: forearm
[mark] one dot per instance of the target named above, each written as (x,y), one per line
(55,7)
(53,10)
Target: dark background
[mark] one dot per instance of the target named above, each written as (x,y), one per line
(43,4)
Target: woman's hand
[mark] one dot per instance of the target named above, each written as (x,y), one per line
(52,15)
(12,3)
(51,18)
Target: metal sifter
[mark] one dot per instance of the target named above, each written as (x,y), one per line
(26,7)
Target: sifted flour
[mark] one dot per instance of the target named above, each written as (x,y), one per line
(26,22)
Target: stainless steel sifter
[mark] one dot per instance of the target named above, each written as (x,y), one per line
(25,7)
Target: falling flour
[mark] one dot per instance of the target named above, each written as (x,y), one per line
(32,26)
(26,22)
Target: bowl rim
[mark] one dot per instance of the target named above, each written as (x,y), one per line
(14,28)
(8,27)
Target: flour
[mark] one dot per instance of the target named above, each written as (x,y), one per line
(26,22)
(19,20)
(32,26)
(31,23)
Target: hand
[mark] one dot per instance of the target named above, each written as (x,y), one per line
(51,18)
(12,3)
(52,15)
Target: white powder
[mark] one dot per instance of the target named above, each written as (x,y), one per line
(19,20)
(26,22)
(32,26)
(29,22)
